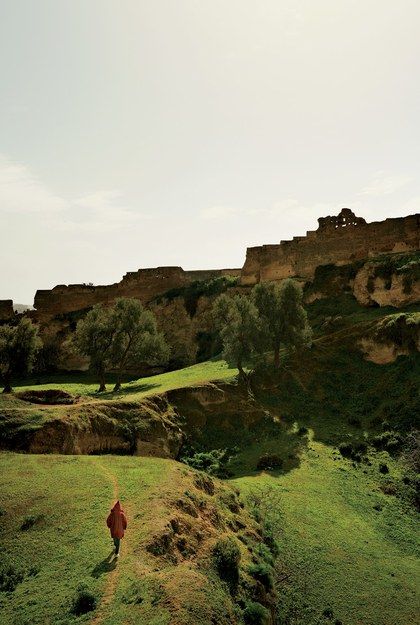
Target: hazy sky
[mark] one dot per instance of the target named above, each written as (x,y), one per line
(138,133)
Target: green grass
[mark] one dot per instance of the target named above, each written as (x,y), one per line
(86,385)
(336,550)
(346,547)
(66,499)
(70,543)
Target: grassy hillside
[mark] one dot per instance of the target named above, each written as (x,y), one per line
(348,539)
(345,522)
(56,547)
(84,384)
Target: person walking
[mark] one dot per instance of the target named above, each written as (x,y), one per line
(117,523)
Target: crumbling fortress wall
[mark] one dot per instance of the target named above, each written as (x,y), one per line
(144,284)
(338,240)
(6,309)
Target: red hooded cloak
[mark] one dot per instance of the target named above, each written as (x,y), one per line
(117,521)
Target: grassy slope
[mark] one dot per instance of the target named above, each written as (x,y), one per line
(339,552)
(70,544)
(84,385)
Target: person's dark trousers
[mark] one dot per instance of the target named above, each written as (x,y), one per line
(117,544)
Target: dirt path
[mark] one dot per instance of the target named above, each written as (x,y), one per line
(112,577)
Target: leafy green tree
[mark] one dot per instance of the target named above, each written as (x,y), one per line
(18,347)
(236,318)
(137,339)
(93,338)
(119,337)
(282,315)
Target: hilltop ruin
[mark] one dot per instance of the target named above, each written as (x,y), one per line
(183,311)
(339,240)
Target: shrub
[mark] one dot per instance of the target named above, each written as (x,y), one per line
(30,520)
(269,538)
(388,441)
(84,601)
(193,291)
(412,450)
(256,614)
(213,462)
(353,451)
(227,555)
(264,553)
(401,328)
(269,462)
(10,577)
(263,573)
(328,613)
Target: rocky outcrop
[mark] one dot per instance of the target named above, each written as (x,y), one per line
(393,336)
(381,353)
(147,428)
(372,290)
(155,426)
(219,415)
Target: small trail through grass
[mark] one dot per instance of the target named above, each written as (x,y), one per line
(111,583)
(112,580)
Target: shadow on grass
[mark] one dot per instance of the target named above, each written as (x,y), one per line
(106,566)
(125,390)
(287,446)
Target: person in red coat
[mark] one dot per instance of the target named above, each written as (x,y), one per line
(117,523)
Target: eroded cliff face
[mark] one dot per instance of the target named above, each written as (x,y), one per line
(396,290)
(155,426)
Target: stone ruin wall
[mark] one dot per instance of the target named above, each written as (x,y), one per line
(338,240)
(144,284)
(6,310)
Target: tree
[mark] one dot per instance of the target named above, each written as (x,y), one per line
(137,339)
(283,318)
(124,335)
(236,319)
(18,347)
(93,338)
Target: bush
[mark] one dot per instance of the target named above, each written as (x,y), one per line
(263,552)
(84,601)
(269,538)
(213,462)
(269,462)
(227,555)
(256,614)
(263,573)
(198,288)
(387,441)
(353,451)
(30,520)
(402,329)
(10,577)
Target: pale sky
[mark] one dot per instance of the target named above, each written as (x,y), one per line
(139,133)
